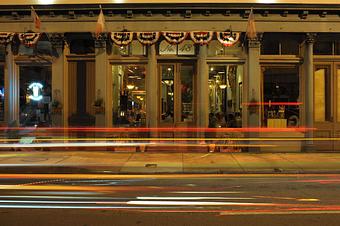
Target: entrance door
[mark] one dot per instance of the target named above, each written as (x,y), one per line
(176,95)
(327,105)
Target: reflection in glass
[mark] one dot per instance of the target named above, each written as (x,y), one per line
(35,95)
(281,93)
(128,95)
(187,92)
(167,99)
(2,93)
(225,82)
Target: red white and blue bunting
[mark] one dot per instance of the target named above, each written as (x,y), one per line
(228,38)
(29,38)
(201,37)
(174,37)
(122,38)
(148,38)
(6,38)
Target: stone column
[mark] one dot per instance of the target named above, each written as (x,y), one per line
(57,41)
(103,111)
(152,90)
(309,88)
(202,120)
(253,87)
(12,94)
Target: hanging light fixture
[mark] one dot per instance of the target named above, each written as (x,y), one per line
(130,86)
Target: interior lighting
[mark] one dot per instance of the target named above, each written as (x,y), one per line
(223,86)
(130,86)
(36,91)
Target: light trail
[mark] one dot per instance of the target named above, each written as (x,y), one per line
(160,176)
(181,139)
(191,198)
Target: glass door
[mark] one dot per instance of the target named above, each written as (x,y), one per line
(176,95)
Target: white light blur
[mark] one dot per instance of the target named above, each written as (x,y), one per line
(267,1)
(184,203)
(188,198)
(207,192)
(46,2)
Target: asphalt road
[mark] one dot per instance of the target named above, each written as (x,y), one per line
(80,199)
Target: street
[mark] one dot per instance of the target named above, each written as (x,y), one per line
(198,199)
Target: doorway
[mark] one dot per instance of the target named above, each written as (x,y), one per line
(177,94)
(327,105)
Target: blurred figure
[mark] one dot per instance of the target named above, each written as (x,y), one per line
(220,120)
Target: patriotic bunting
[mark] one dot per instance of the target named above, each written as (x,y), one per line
(29,38)
(201,37)
(228,38)
(175,37)
(6,38)
(148,38)
(122,38)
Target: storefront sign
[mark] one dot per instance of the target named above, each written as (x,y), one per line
(186,48)
(36,89)
(167,49)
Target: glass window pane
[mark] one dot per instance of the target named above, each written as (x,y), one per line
(225,93)
(319,95)
(280,94)
(128,95)
(137,49)
(2,93)
(323,48)
(215,48)
(35,95)
(167,98)
(187,92)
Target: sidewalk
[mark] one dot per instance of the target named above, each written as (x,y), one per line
(149,163)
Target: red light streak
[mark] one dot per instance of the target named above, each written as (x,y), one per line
(272,103)
(163,129)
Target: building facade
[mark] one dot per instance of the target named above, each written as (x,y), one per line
(174,65)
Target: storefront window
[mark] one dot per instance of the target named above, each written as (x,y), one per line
(225,95)
(281,96)
(215,48)
(187,92)
(135,48)
(168,91)
(128,96)
(35,95)
(2,93)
